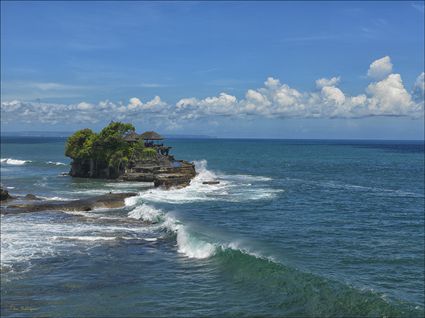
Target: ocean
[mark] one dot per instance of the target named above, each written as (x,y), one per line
(295,228)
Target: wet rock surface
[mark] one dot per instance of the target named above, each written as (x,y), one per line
(165,176)
(4,194)
(110,200)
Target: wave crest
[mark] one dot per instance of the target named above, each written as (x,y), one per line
(232,188)
(14,162)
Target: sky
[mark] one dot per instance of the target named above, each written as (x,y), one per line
(331,70)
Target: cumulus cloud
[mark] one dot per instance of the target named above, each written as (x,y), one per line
(389,97)
(322,82)
(80,113)
(386,95)
(380,68)
(419,88)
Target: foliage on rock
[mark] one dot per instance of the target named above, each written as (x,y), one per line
(107,149)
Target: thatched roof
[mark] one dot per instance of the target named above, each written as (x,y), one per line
(132,136)
(151,135)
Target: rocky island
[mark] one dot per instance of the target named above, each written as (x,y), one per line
(118,152)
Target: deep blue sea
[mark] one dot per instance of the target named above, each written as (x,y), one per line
(295,228)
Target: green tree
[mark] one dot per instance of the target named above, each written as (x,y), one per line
(111,147)
(107,150)
(79,145)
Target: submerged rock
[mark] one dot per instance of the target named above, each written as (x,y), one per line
(31,197)
(110,200)
(211,182)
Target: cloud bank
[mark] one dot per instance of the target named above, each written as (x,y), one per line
(386,95)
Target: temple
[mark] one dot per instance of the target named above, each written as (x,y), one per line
(150,139)
(158,165)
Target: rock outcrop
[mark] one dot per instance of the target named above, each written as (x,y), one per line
(118,152)
(171,174)
(4,194)
(110,200)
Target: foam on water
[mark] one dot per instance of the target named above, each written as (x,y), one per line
(27,237)
(45,238)
(56,163)
(233,188)
(146,213)
(86,238)
(187,243)
(15,162)
(55,198)
(129,185)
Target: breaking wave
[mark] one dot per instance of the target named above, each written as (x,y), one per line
(232,188)
(56,163)
(14,162)
(188,242)
(20,162)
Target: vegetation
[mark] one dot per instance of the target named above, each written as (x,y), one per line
(148,153)
(107,150)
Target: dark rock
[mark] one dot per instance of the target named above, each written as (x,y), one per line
(162,175)
(179,176)
(211,182)
(31,197)
(110,200)
(4,194)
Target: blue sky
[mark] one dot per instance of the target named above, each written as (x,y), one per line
(227,69)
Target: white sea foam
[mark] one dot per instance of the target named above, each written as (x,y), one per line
(132,201)
(55,198)
(150,239)
(233,188)
(192,247)
(146,213)
(130,185)
(247,177)
(86,238)
(15,162)
(187,243)
(28,237)
(56,163)
(24,239)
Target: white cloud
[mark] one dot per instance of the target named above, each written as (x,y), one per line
(419,88)
(223,104)
(333,95)
(389,97)
(84,106)
(380,68)
(384,97)
(322,82)
(82,112)
(134,103)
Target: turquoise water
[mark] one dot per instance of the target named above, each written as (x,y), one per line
(295,228)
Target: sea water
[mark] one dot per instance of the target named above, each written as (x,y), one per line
(294,228)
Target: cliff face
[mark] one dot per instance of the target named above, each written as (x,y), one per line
(163,171)
(89,168)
